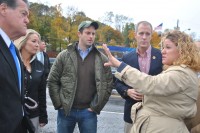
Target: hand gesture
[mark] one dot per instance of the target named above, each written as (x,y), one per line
(112,61)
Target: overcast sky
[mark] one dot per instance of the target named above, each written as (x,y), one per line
(154,11)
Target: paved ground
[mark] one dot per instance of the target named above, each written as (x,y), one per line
(109,121)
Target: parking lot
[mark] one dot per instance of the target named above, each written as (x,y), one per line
(109,121)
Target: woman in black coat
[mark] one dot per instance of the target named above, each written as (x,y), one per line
(35,82)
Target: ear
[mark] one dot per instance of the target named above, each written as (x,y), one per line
(135,34)
(79,33)
(3,8)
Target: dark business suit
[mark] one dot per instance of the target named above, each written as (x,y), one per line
(132,60)
(46,64)
(11,100)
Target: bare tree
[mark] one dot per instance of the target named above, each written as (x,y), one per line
(108,18)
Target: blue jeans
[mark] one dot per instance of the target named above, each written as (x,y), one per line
(87,121)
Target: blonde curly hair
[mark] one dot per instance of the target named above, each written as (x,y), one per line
(189,53)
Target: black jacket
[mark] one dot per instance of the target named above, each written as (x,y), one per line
(35,87)
(46,64)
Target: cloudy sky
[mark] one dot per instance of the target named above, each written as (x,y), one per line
(154,11)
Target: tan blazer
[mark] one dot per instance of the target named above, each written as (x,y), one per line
(196,129)
(169,98)
(193,124)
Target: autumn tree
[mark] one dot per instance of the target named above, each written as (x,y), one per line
(71,19)
(108,34)
(40,19)
(155,41)
(131,36)
(128,29)
(58,29)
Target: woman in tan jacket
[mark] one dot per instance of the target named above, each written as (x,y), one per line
(169,97)
(193,124)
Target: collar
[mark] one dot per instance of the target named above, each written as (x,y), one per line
(5,37)
(147,52)
(87,50)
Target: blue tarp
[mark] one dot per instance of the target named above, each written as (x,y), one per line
(120,49)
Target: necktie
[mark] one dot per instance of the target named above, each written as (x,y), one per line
(13,52)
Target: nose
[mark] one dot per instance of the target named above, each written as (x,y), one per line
(37,44)
(163,51)
(27,20)
(144,36)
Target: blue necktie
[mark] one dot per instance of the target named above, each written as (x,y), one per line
(13,52)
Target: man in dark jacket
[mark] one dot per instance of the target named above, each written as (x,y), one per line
(79,83)
(146,59)
(13,24)
(44,58)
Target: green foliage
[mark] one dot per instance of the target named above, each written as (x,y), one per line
(127,33)
(108,34)
(59,30)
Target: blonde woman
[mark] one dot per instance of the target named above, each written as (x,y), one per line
(35,83)
(169,97)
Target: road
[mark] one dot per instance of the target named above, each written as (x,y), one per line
(109,121)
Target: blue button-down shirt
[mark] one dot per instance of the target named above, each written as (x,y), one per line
(82,53)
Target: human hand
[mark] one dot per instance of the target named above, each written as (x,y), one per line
(89,109)
(132,93)
(42,124)
(112,61)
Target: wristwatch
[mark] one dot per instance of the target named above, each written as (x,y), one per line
(125,93)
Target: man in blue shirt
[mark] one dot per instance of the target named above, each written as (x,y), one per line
(13,24)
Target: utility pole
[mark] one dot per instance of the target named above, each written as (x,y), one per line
(177,25)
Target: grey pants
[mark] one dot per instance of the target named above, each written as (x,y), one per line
(35,122)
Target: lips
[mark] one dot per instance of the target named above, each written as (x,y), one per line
(89,40)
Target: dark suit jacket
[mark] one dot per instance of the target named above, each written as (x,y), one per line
(46,64)
(11,100)
(132,60)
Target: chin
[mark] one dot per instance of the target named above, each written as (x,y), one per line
(23,33)
(88,45)
(144,46)
(166,63)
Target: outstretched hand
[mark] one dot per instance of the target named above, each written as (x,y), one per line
(42,124)
(112,61)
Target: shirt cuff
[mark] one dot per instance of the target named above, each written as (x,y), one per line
(121,67)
